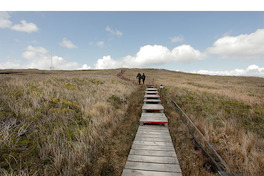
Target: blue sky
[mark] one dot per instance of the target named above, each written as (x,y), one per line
(221,42)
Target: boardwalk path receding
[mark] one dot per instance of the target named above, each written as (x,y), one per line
(152,152)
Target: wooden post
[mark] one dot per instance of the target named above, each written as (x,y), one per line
(161,89)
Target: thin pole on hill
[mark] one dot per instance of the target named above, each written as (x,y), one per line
(51,64)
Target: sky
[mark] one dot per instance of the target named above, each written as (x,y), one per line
(204,42)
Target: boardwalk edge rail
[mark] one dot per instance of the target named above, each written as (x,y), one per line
(220,171)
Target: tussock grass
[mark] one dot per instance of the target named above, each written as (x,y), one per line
(227,110)
(54,122)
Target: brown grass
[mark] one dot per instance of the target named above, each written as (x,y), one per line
(83,122)
(52,123)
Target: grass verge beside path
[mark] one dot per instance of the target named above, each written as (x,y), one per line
(113,154)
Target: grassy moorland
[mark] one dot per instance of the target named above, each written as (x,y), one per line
(84,122)
(229,111)
(63,122)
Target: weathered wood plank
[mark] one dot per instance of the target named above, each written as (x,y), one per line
(146,135)
(151,107)
(151,89)
(148,114)
(152,153)
(153,159)
(153,166)
(153,139)
(132,172)
(152,100)
(152,147)
(151,92)
(154,132)
(154,143)
(153,120)
(153,128)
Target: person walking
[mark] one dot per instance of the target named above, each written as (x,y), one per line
(139,77)
(143,77)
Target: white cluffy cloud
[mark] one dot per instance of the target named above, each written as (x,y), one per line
(67,44)
(252,70)
(84,67)
(114,32)
(152,55)
(39,58)
(244,46)
(177,39)
(23,27)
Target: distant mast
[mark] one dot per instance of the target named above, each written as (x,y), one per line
(51,64)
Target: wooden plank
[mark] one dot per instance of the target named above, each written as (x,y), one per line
(146,114)
(133,172)
(153,159)
(152,100)
(153,166)
(146,135)
(153,107)
(153,139)
(157,128)
(151,92)
(153,118)
(152,153)
(153,132)
(154,127)
(151,89)
(152,147)
(154,143)
(151,96)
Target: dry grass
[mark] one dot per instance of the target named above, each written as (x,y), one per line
(53,122)
(76,122)
(229,112)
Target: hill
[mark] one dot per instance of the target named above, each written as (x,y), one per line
(84,122)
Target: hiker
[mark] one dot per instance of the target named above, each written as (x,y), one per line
(143,77)
(139,77)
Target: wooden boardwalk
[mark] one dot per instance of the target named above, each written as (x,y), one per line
(152,152)
(151,92)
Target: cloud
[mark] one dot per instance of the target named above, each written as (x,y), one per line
(252,70)
(67,44)
(177,39)
(23,27)
(244,46)
(84,67)
(4,20)
(34,52)
(100,44)
(152,55)
(114,32)
(39,58)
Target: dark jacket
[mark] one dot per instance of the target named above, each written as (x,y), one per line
(143,77)
(138,76)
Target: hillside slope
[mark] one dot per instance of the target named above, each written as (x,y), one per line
(84,122)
